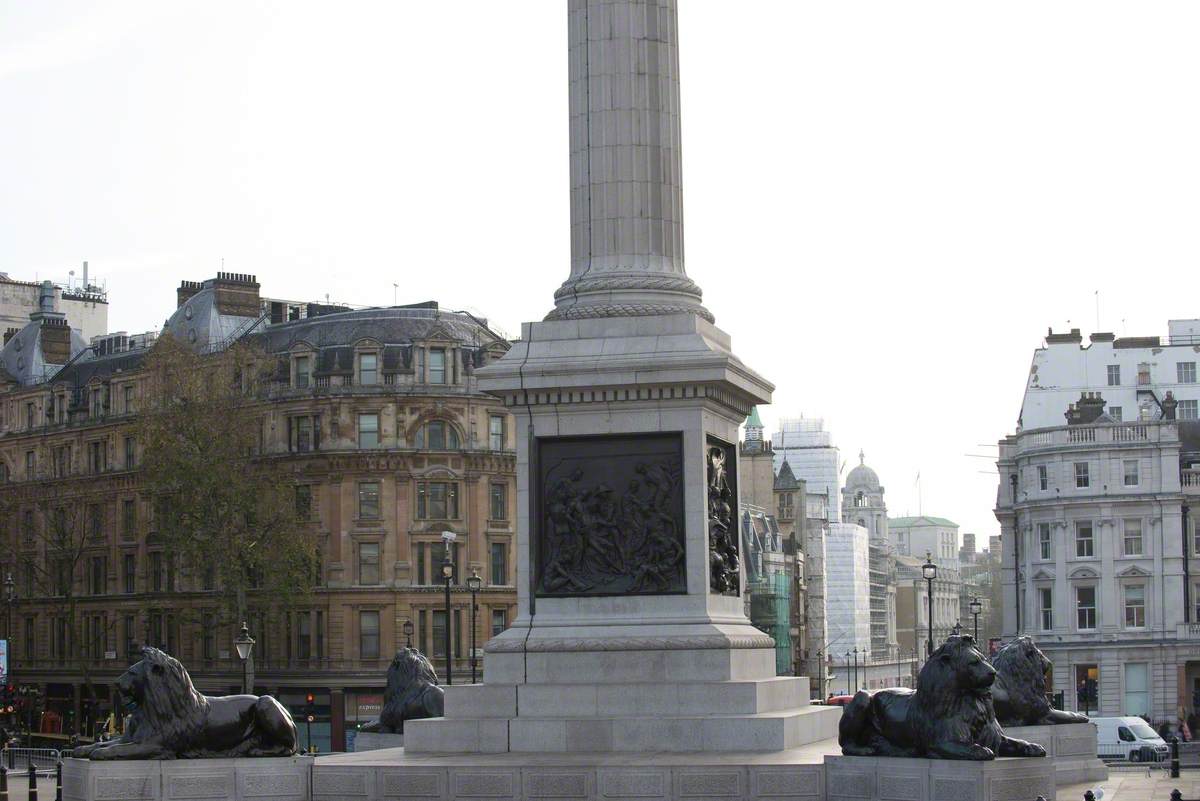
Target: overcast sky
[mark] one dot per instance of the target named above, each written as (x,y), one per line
(887,204)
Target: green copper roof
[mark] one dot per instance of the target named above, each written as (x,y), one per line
(753,421)
(923,520)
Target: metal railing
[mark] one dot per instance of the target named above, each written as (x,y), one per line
(42,759)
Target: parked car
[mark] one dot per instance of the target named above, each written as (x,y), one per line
(1129,738)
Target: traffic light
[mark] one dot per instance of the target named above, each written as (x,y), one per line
(310,699)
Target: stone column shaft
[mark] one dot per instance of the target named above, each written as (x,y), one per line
(626,163)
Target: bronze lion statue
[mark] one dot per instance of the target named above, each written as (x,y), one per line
(412,692)
(1019,693)
(948,716)
(170,719)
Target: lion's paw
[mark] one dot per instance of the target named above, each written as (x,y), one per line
(1033,750)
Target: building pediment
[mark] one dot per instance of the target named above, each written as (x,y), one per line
(1133,571)
(1084,573)
(1043,575)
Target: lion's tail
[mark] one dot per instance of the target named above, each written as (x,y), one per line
(852,732)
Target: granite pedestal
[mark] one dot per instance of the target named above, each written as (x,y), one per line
(375,740)
(278,779)
(850,778)
(1071,746)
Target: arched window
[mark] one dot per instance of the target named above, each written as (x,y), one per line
(437,435)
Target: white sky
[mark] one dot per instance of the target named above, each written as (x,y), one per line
(886,203)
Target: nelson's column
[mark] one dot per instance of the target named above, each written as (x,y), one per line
(631,633)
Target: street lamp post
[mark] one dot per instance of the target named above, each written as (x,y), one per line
(473,584)
(929,571)
(820,676)
(447,576)
(10,600)
(848,673)
(408,632)
(976,606)
(245,646)
(856,681)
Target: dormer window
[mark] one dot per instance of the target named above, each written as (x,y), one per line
(368,369)
(303,371)
(437,365)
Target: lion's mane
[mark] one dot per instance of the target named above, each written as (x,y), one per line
(171,707)
(1020,690)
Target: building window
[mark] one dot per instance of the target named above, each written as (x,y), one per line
(128,515)
(1143,373)
(499,503)
(496,432)
(1135,606)
(368,431)
(1114,375)
(439,633)
(129,568)
(1082,479)
(1185,372)
(368,500)
(368,635)
(1131,472)
(437,435)
(1045,547)
(156,571)
(303,371)
(368,563)
(29,415)
(130,454)
(30,464)
(499,621)
(1085,608)
(127,392)
(437,500)
(99,582)
(1137,689)
(420,365)
(368,369)
(1132,529)
(1043,477)
(1046,607)
(303,501)
(1085,543)
(303,635)
(499,564)
(437,365)
(1187,410)
(419,561)
(209,634)
(302,431)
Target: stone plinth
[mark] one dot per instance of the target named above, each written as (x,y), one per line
(374,740)
(792,775)
(1072,747)
(277,779)
(850,778)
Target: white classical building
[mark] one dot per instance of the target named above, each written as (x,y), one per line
(1101,564)
(863,504)
(847,589)
(805,444)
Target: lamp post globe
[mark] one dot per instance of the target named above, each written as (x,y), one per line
(929,572)
(447,578)
(245,646)
(409,629)
(976,606)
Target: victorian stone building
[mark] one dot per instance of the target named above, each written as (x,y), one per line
(376,414)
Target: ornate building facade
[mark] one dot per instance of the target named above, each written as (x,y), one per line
(376,414)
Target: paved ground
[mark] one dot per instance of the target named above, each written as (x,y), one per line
(1138,786)
(19,791)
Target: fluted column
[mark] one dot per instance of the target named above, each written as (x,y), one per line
(626,164)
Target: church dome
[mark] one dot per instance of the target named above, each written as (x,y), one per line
(862,477)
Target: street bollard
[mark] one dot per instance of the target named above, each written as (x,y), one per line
(33,796)
(1176,795)
(58,781)
(1089,796)
(1174,757)
(3,783)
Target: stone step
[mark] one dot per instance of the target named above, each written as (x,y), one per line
(632,699)
(771,731)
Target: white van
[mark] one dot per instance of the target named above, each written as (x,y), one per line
(1126,738)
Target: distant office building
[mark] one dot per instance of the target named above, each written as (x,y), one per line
(916,536)
(966,553)
(82,303)
(847,589)
(809,449)
(863,504)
